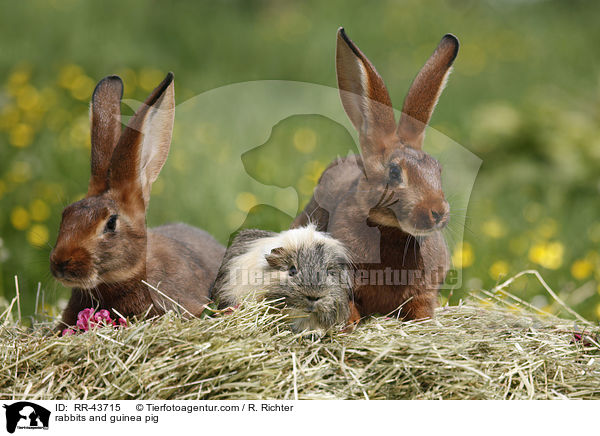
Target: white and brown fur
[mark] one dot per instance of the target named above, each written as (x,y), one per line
(387,205)
(103,250)
(305,271)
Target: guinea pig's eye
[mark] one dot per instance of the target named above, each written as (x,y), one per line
(111,224)
(395,173)
(292,271)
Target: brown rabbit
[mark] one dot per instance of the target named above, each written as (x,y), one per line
(387,206)
(104,250)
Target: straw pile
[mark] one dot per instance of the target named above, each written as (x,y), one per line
(502,350)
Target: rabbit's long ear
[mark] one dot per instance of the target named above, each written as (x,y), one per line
(105,115)
(144,146)
(425,91)
(363,93)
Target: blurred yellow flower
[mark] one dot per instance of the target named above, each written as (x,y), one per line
(493,228)
(19,218)
(313,170)
(28,98)
(581,269)
(598,310)
(68,74)
(49,96)
(9,116)
(18,78)
(38,235)
(245,201)
(499,269)
(21,135)
(39,210)
(305,140)
(149,78)
(82,87)
(547,254)
(463,256)
(593,256)
(20,172)
(547,228)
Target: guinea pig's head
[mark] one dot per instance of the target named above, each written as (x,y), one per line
(313,283)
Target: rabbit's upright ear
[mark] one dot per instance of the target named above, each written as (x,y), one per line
(105,115)
(425,91)
(364,95)
(144,146)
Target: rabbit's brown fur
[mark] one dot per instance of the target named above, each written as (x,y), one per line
(104,250)
(387,206)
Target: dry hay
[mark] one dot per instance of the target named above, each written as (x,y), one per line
(501,350)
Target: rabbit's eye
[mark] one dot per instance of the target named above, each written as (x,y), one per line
(292,271)
(395,173)
(111,224)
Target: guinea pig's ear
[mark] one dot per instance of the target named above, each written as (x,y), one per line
(144,146)
(277,258)
(105,120)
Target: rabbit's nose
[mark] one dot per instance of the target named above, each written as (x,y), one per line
(58,267)
(437,216)
(439,213)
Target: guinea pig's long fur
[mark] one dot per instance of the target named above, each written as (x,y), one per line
(304,270)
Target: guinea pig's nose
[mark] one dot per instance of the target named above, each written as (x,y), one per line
(312,299)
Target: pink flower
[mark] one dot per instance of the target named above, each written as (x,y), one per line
(102,317)
(88,319)
(83,319)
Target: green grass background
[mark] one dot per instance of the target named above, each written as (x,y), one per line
(524,97)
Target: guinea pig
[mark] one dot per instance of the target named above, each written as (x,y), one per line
(304,271)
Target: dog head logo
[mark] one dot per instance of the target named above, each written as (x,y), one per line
(26,415)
